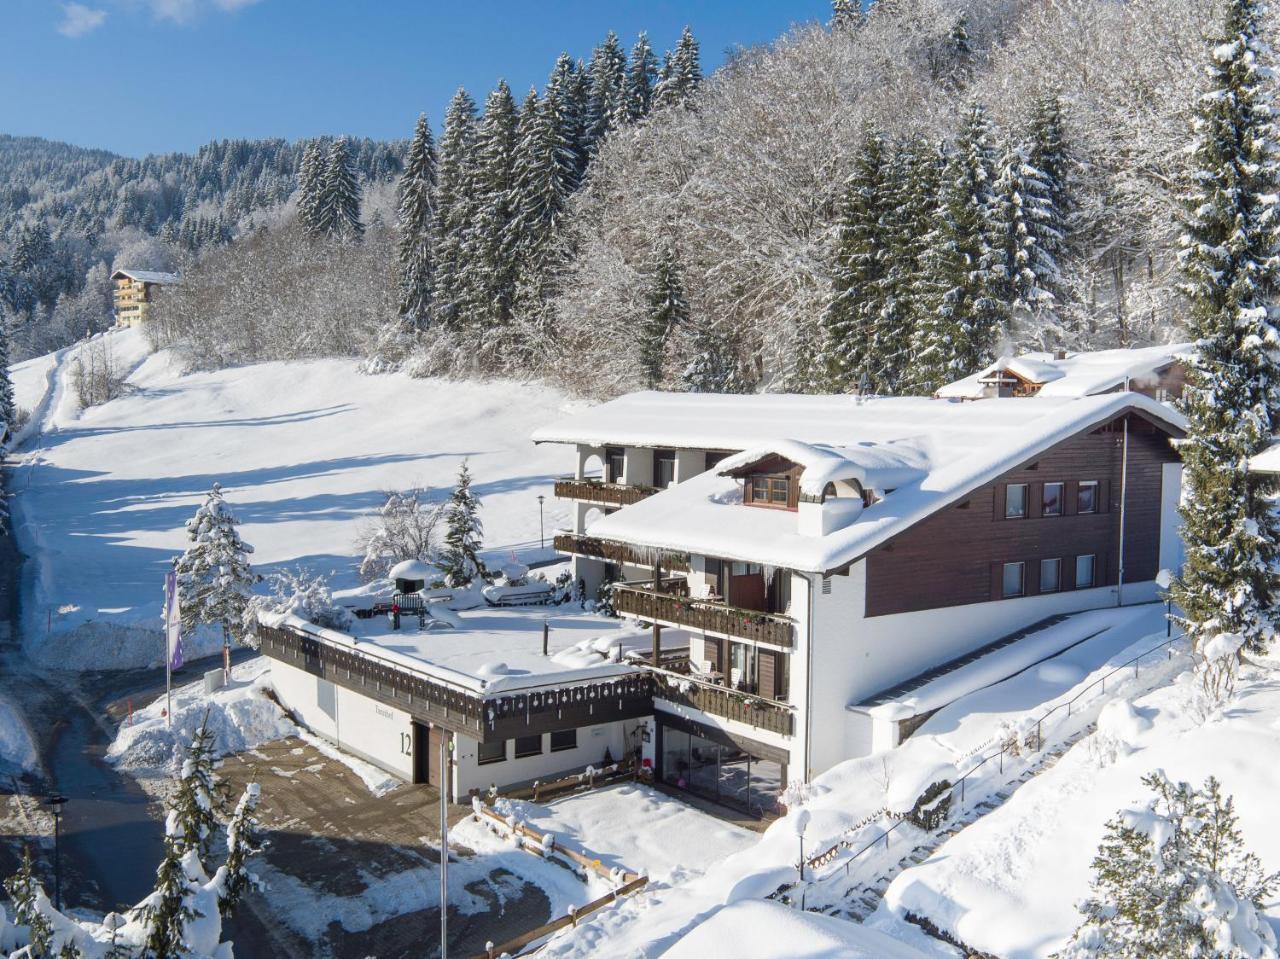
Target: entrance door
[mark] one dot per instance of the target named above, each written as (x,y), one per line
(433,738)
(421,753)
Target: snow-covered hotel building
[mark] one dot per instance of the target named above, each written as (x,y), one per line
(787,565)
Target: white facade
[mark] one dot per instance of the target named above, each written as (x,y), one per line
(592,743)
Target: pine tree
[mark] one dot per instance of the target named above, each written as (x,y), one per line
(243,842)
(8,407)
(337,212)
(214,575)
(193,819)
(310,186)
(464,533)
(712,367)
(956,336)
(642,75)
(494,243)
(167,912)
(681,73)
(455,212)
(858,350)
(960,57)
(607,106)
(1026,240)
(1232,401)
(416,214)
(1049,153)
(1168,879)
(668,312)
(24,892)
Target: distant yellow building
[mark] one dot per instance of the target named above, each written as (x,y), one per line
(133,293)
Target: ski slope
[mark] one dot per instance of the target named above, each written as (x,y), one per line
(303,451)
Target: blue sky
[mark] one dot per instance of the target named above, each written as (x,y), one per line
(142,76)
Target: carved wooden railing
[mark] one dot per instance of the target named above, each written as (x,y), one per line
(613,552)
(755,711)
(697,614)
(598,491)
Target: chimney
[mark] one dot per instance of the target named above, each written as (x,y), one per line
(1060,354)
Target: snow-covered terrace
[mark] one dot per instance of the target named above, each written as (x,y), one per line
(954,448)
(497,650)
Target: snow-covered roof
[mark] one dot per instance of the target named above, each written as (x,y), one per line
(412,569)
(1079,374)
(497,650)
(878,466)
(148,276)
(1268,461)
(957,446)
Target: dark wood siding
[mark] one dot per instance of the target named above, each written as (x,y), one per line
(955,557)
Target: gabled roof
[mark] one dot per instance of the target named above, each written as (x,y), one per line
(148,276)
(956,447)
(873,465)
(1079,374)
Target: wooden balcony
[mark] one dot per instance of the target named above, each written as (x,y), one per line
(715,700)
(611,552)
(598,491)
(703,615)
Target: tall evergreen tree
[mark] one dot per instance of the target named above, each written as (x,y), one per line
(642,75)
(681,73)
(607,105)
(416,214)
(1049,153)
(959,60)
(1232,400)
(193,819)
(668,311)
(858,303)
(494,243)
(8,406)
(214,575)
(712,366)
(338,209)
(455,212)
(170,909)
(1026,239)
(310,185)
(957,335)
(243,842)
(24,892)
(464,533)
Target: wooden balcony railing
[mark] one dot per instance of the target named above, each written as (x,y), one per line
(598,491)
(612,552)
(720,701)
(704,615)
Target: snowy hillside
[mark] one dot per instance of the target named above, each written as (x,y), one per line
(302,449)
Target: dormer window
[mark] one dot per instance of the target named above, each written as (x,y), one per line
(770,489)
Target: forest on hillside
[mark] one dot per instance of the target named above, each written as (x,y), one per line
(875,201)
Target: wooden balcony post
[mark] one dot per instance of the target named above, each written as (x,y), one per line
(657,630)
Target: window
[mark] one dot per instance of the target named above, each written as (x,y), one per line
(1087,497)
(1051,499)
(615,464)
(1050,575)
(664,468)
(1084,572)
(564,739)
(1011,583)
(492,752)
(1015,501)
(771,490)
(528,746)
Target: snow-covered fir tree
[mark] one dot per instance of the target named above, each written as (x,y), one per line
(959,60)
(607,101)
(668,312)
(1049,153)
(455,212)
(170,909)
(494,241)
(337,210)
(642,76)
(957,334)
(214,575)
(1232,400)
(24,892)
(8,406)
(1174,880)
(193,819)
(1026,240)
(310,186)
(416,217)
(244,841)
(860,351)
(681,73)
(713,366)
(464,533)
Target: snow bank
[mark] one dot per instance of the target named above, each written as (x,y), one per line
(769,930)
(17,746)
(1009,884)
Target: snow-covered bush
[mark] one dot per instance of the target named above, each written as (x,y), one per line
(1172,879)
(302,594)
(404,528)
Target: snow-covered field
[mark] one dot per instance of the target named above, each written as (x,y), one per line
(1009,884)
(302,449)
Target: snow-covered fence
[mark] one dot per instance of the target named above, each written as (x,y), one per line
(589,778)
(1062,709)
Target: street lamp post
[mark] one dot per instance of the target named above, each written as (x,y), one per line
(800,824)
(1164,579)
(542,535)
(55,803)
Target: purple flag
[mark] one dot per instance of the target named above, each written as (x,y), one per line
(172,620)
